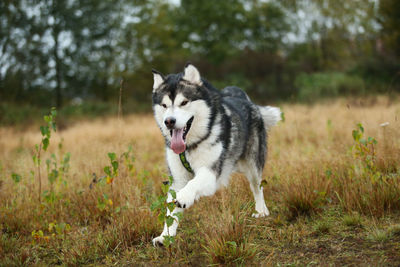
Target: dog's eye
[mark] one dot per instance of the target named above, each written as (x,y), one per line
(184,103)
(164,106)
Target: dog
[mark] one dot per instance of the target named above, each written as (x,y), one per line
(209,134)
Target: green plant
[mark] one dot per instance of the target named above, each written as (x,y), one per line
(56,171)
(364,149)
(112,170)
(43,145)
(363,186)
(352,220)
(16,177)
(129,159)
(160,206)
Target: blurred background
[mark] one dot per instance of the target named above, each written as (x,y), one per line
(73,54)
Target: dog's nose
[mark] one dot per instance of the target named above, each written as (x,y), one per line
(170,122)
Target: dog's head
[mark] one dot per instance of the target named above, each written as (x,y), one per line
(180,107)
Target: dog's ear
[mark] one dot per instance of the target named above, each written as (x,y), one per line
(158,79)
(191,74)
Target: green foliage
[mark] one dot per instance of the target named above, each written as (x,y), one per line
(364,149)
(160,206)
(46,130)
(234,42)
(16,177)
(111,171)
(364,187)
(317,85)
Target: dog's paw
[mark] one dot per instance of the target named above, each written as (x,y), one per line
(262,213)
(158,241)
(184,199)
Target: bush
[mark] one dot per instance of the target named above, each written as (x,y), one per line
(327,84)
(14,114)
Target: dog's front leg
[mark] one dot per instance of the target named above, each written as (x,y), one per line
(168,231)
(204,183)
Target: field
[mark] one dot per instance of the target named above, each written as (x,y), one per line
(333,193)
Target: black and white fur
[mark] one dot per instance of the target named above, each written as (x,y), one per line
(224,132)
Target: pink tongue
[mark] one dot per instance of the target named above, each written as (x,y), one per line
(177,143)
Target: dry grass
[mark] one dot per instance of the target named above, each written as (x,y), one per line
(325,207)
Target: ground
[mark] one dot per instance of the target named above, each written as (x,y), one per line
(334,194)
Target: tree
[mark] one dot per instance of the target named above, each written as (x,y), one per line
(60,46)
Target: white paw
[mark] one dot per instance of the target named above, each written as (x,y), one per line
(263,213)
(185,198)
(158,241)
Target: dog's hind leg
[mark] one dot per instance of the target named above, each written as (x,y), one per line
(254,176)
(257,189)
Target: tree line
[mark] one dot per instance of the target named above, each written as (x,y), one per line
(54,52)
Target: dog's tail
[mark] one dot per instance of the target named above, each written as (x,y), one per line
(270,115)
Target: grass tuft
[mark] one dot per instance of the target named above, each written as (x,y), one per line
(352,220)
(230,246)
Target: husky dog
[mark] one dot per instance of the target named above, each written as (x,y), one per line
(209,134)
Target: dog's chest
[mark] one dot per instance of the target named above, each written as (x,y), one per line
(205,155)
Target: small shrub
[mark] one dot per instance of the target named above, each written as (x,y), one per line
(327,84)
(362,187)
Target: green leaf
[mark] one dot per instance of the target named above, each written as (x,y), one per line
(168,240)
(155,205)
(53,126)
(101,206)
(171,206)
(112,156)
(107,170)
(46,143)
(169,220)
(47,118)
(355,134)
(53,112)
(44,130)
(16,177)
(179,215)
(48,163)
(35,160)
(173,193)
(161,217)
(53,176)
(360,126)
(165,188)
(282,116)
(115,166)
